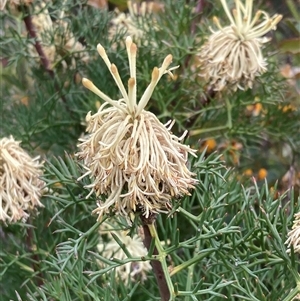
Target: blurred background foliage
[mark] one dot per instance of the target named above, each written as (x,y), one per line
(249,169)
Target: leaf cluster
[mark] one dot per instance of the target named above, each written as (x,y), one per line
(226,240)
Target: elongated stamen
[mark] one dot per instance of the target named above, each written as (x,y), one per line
(113,71)
(131,94)
(228,13)
(104,56)
(131,53)
(238,18)
(148,92)
(244,25)
(239,24)
(90,85)
(248,13)
(166,63)
(270,24)
(157,73)
(217,22)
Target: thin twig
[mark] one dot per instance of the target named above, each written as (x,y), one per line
(44,60)
(198,10)
(32,33)
(34,256)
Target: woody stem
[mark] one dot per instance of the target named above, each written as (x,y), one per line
(159,264)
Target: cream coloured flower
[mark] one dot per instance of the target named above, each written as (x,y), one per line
(20,186)
(297,297)
(56,39)
(132,158)
(137,12)
(232,56)
(109,248)
(14,3)
(294,235)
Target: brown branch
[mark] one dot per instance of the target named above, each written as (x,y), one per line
(44,60)
(198,10)
(32,33)
(156,265)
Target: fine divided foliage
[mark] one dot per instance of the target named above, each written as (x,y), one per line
(220,229)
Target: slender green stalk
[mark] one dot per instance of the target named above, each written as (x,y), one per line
(202,131)
(159,265)
(229,109)
(293,9)
(187,263)
(216,128)
(293,293)
(189,280)
(161,257)
(188,214)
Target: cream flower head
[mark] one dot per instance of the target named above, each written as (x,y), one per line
(20,186)
(130,20)
(109,248)
(56,39)
(294,235)
(232,55)
(14,3)
(132,158)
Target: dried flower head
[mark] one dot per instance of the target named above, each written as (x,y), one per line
(297,297)
(232,55)
(109,248)
(14,3)
(20,186)
(131,156)
(294,235)
(130,21)
(56,39)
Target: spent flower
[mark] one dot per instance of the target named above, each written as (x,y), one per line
(294,235)
(132,158)
(131,21)
(109,248)
(57,40)
(20,185)
(232,55)
(14,3)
